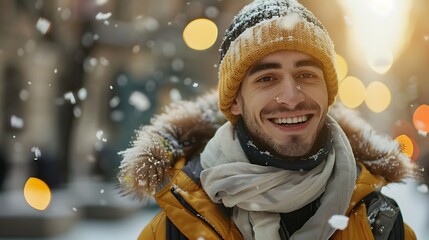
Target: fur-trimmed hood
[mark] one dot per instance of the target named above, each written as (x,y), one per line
(183,129)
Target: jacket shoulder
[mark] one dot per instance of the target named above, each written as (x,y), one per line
(155,229)
(373,215)
(187,209)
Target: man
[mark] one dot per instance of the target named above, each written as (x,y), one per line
(281,167)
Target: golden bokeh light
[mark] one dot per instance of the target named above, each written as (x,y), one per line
(377,97)
(406,145)
(342,67)
(352,92)
(37,193)
(421,118)
(200,34)
(380,62)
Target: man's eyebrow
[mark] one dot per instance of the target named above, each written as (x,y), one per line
(264,66)
(274,65)
(308,63)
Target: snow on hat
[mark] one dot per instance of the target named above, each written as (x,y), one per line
(264,27)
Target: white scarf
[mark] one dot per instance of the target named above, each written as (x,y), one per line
(259,193)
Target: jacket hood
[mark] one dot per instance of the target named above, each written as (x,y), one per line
(183,128)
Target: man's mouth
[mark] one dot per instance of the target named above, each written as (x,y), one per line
(290,121)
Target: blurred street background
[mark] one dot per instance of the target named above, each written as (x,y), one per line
(77,77)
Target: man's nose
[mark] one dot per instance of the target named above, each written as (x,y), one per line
(290,92)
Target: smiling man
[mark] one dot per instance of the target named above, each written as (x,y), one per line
(285,164)
(283,101)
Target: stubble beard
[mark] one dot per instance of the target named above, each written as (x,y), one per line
(295,147)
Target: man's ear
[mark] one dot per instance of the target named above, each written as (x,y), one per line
(236,107)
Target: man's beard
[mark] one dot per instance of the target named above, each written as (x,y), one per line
(295,147)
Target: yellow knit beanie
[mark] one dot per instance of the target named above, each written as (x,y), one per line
(264,27)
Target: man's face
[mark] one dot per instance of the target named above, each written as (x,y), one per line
(284,101)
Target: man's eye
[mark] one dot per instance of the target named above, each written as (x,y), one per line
(265,79)
(306,75)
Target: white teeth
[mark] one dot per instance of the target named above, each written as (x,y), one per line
(291,120)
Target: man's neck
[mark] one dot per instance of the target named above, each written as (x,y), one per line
(258,155)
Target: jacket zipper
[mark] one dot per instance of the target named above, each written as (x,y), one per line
(192,210)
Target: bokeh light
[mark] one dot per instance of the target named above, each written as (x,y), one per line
(406,145)
(404,127)
(342,67)
(421,118)
(37,193)
(377,97)
(379,61)
(200,34)
(352,92)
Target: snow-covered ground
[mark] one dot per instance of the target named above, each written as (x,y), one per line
(414,206)
(126,229)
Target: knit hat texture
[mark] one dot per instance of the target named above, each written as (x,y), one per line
(264,27)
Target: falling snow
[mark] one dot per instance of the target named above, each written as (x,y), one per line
(43,25)
(338,221)
(139,100)
(37,152)
(422,133)
(423,188)
(103,16)
(82,94)
(70,97)
(100,136)
(16,122)
(175,95)
(290,21)
(180,190)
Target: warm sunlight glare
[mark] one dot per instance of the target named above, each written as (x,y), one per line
(380,30)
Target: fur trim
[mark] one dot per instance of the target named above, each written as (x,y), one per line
(378,152)
(184,128)
(180,131)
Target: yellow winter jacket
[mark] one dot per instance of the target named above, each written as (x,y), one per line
(213,224)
